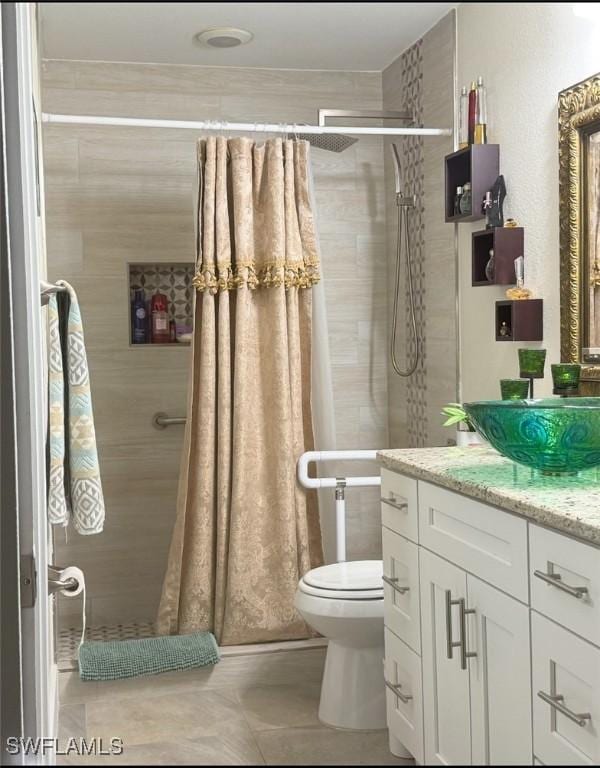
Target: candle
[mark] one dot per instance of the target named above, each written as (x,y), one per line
(565,376)
(514,389)
(531,363)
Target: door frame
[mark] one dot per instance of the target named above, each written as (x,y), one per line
(29,404)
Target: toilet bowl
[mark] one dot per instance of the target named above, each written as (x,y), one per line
(344,603)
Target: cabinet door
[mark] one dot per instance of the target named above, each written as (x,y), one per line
(447,716)
(566,716)
(401,612)
(405,708)
(500,675)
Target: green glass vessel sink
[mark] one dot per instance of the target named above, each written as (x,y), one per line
(555,435)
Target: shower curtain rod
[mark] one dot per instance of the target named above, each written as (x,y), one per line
(219,125)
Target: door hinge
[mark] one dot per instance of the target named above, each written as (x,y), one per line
(28,581)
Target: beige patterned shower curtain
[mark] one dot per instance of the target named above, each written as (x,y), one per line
(245,531)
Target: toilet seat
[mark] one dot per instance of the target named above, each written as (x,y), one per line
(354,580)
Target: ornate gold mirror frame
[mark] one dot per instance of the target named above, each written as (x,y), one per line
(578,117)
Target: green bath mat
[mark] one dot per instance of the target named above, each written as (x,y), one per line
(118,659)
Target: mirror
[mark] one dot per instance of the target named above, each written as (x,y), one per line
(579,159)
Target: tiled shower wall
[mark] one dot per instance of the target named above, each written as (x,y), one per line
(116,196)
(422,80)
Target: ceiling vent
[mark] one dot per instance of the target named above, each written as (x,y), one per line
(223,37)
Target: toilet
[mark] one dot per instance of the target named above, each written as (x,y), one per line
(344,603)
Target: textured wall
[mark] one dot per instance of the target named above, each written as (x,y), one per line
(124,195)
(534,52)
(422,78)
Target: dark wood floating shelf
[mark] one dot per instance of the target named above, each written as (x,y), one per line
(478,164)
(523,318)
(507,244)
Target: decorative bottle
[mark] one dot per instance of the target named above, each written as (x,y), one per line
(465,200)
(160,319)
(472,111)
(480,134)
(490,268)
(463,123)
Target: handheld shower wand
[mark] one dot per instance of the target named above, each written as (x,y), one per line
(404,203)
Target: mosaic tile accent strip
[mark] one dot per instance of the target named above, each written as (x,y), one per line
(67,642)
(414,179)
(174,280)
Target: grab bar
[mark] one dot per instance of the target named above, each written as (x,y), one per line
(333,482)
(162,421)
(339,483)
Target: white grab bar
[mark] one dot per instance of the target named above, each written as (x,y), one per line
(332,482)
(339,483)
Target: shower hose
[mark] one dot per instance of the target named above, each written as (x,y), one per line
(403,226)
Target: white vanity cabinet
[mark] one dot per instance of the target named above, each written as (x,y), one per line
(467,647)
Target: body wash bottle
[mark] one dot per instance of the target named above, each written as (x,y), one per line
(160,319)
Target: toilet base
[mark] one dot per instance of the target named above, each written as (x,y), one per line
(353,691)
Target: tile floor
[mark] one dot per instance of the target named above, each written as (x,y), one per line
(248,710)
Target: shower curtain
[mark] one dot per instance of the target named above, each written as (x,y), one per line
(245,531)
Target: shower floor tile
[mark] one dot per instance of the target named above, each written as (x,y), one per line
(68,639)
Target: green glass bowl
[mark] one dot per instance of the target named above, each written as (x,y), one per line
(556,435)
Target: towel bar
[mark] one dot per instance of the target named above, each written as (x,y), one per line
(47,289)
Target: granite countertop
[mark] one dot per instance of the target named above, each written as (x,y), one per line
(569,504)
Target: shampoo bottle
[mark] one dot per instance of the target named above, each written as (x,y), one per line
(139,322)
(160,319)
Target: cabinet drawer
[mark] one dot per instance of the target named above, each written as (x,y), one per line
(401,604)
(566,666)
(486,541)
(399,504)
(404,718)
(578,568)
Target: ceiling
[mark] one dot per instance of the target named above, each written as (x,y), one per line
(343,36)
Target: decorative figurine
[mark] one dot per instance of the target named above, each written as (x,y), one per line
(505,329)
(486,207)
(493,207)
(519,292)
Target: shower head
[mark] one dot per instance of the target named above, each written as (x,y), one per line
(332,142)
(397,171)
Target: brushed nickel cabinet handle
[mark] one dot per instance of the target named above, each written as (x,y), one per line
(582,719)
(464,654)
(393,582)
(395,689)
(450,645)
(555,580)
(401,505)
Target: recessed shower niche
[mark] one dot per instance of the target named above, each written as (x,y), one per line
(161,303)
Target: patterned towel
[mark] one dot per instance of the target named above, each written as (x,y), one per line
(74,486)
